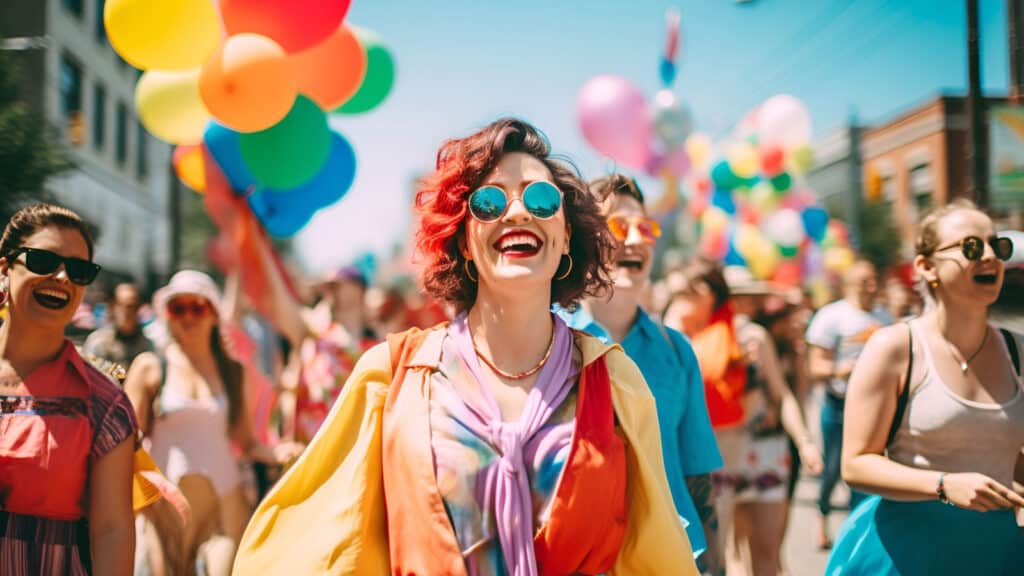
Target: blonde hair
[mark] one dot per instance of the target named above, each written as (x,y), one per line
(927,240)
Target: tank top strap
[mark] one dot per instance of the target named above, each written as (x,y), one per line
(920,344)
(1004,343)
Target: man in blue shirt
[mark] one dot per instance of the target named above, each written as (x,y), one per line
(666,360)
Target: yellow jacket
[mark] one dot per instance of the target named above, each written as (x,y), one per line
(327,514)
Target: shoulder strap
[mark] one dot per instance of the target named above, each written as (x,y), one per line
(1011,345)
(904,397)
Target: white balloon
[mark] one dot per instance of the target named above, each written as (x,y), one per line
(672,122)
(783,120)
(784,227)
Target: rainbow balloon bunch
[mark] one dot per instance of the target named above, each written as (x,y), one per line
(618,122)
(752,205)
(248,83)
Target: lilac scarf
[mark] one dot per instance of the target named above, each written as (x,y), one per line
(506,483)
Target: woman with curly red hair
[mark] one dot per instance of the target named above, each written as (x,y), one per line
(502,442)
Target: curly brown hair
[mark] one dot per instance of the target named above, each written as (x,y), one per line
(462,164)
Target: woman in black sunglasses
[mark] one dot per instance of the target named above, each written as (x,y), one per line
(502,442)
(935,420)
(66,450)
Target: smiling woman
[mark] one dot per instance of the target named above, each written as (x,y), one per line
(68,442)
(502,442)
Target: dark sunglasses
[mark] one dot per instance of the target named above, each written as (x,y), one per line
(44,262)
(973,247)
(489,203)
(181,308)
(648,228)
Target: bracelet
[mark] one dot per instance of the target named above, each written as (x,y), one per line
(940,490)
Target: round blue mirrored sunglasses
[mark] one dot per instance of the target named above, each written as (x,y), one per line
(489,203)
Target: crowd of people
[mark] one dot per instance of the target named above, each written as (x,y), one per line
(531,413)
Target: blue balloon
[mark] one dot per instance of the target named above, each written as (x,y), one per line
(331,183)
(723,199)
(285,212)
(667,72)
(815,220)
(280,216)
(732,257)
(222,142)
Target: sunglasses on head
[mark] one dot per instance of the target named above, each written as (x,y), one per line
(648,228)
(44,262)
(542,199)
(973,247)
(181,308)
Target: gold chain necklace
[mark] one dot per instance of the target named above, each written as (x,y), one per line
(521,375)
(956,352)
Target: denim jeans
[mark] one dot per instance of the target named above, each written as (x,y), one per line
(832,434)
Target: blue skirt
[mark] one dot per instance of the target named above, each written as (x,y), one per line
(886,538)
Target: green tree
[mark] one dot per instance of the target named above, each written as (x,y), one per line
(879,240)
(30,149)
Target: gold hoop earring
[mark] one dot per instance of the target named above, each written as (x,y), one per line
(465,266)
(568,271)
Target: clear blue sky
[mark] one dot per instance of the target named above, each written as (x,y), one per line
(463,63)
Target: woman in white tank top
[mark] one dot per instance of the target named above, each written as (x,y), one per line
(935,421)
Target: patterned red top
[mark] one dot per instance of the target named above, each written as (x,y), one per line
(63,417)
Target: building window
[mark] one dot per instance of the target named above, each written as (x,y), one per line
(71,98)
(141,151)
(99,116)
(99,28)
(921,188)
(75,7)
(121,146)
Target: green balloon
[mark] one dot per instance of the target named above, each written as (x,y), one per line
(782,182)
(789,251)
(380,75)
(291,152)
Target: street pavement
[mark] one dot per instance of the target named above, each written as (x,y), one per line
(800,556)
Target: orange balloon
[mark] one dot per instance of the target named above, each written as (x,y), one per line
(331,72)
(247,83)
(188,164)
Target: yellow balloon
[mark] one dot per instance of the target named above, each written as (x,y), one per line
(714,220)
(744,161)
(763,198)
(165,34)
(170,107)
(800,159)
(838,259)
(698,147)
(749,241)
(764,263)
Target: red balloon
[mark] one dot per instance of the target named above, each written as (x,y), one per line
(294,24)
(772,160)
(332,71)
(788,273)
(698,204)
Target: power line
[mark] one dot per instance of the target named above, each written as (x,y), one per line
(790,67)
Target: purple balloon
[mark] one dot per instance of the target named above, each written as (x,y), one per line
(613,116)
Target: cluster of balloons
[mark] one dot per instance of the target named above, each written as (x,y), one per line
(751,205)
(250,82)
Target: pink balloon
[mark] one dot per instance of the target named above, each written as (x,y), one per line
(677,161)
(613,116)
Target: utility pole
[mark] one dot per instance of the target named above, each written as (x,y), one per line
(1015,29)
(852,203)
(977,155)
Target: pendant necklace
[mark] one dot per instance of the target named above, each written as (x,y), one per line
(956,353)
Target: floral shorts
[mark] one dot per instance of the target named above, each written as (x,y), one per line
(763,473)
